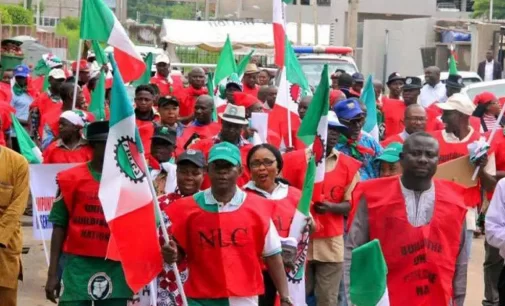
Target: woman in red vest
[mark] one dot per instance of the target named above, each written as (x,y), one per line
(264,161)
(223,233)
(420,225)
(70,147)
(189,176)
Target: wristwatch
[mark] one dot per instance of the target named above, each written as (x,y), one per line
(287,300)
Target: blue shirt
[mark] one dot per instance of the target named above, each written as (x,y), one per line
(369,169)
(22,106)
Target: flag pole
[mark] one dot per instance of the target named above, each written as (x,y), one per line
(290,137)
(164,229)
(79,55)
(39,225)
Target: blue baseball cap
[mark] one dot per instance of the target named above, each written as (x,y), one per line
(21,71)
(348,109)
(358,77)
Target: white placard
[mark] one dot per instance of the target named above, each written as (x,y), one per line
(43,187)
(259,121)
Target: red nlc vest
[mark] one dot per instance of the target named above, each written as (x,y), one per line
(335,183)
(87,232)
(451,151)
(421,260)
(394,138)
(394,111)
(283,210)
(223,250)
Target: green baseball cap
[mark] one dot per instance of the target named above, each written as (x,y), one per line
(227,152)
(391,153)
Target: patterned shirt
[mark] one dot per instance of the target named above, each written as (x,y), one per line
(168,293)
(369,169)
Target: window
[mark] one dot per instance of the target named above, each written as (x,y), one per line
(49,21)
(324,2)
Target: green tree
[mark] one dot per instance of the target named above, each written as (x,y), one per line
(19,14)
(69,27)
(182,11)
(5,16)
(481,9)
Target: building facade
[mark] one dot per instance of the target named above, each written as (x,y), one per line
(54,10)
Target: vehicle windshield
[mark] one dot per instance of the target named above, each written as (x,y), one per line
(313,68)
(497,89)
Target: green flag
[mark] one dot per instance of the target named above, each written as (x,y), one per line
(97,105)
(368,98)
(26,146)
(243,64)
(101,58)
(226,63)
(368,275)
(210,89)
(146,76)
(453,67)
(294,72)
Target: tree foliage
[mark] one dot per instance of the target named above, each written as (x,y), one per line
(69,27)
(481,9)
(5,17)
(18,14)
(153,11)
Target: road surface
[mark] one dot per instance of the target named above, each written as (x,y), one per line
(31,290)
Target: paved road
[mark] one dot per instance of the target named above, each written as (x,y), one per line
(31,291)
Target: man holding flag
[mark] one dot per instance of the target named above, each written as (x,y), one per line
(223,232)
(336,176)
(82,234)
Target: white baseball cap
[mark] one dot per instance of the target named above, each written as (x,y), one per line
(162,58)
(458,102)
(57,74)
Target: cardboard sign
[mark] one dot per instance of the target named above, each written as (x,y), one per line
(458,170)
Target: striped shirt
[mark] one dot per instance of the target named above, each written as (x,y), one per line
(490,121)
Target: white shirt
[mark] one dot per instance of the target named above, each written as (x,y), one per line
(495,219)
(430,95)
(488,71)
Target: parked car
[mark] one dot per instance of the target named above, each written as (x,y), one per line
(468,77)
(496,87)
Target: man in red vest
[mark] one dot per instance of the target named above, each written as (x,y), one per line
(250,80)
(415,121)
(47,100)
(395,84)
(234,123)
(223,232)
(196,88)
(81,233)
(394,109)
(145,115)
(83,77)
(420,225)
(326,247)
(454,141)
(202,127)
(166,84)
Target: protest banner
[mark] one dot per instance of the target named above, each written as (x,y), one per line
(43,188)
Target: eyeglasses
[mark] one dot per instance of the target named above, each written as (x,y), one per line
(258,163)
(356,121)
